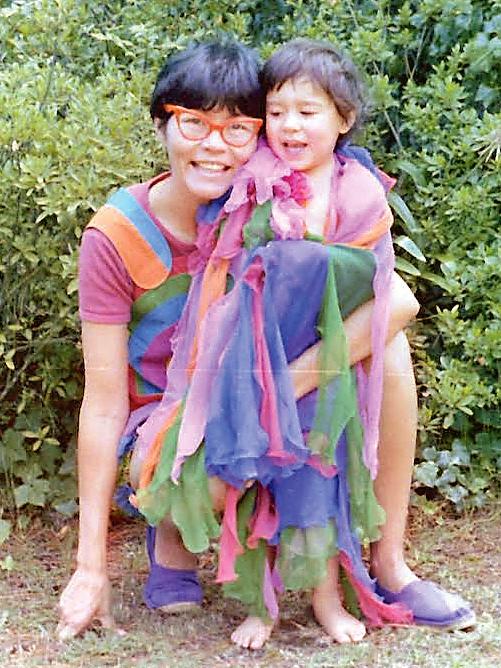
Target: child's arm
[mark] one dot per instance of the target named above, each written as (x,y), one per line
(403,308)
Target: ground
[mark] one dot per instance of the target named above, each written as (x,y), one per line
(461,553)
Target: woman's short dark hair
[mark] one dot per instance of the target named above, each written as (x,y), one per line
(328,67)
(209,75)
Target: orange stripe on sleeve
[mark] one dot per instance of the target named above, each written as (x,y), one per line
(144,266)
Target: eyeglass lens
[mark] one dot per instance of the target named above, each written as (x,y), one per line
(238,133)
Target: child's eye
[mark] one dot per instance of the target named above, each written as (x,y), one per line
(307,112)
(273,112)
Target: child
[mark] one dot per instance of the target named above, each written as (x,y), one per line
(304,237)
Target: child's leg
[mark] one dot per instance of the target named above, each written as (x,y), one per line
(253,632)
(329,612)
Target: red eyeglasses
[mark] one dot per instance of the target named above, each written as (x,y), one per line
(195,125)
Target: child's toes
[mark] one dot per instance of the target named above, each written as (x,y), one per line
(252,633)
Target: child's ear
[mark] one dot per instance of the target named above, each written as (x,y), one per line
(347,123)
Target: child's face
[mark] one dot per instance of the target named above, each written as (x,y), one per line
(303,125)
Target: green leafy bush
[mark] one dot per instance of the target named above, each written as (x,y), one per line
(74,87)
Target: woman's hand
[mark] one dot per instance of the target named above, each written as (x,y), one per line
(87,597)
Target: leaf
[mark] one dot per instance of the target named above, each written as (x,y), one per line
(444,458)
(413,171)
(491,418)
(460,453)
(401,208)
(488,443)
(455,493)
(408,245)
(426,473)
(5,527)
(72,286)
(438,280)
(7,564)
(407,267)
(430,453)
(34,493)
(22,495)
(13,441)
(67,508)
(447,477)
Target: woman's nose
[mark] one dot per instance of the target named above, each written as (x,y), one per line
(214,140)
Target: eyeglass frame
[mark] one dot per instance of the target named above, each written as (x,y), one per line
(177,110)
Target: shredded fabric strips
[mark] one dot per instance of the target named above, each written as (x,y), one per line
(260,292)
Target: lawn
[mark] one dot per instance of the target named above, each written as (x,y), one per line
(463,554)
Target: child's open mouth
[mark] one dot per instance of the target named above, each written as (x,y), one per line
(294,148)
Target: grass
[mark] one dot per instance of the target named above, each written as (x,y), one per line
(463,554)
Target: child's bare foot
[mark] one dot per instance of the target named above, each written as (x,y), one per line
(252,633)
(329,611)
(338,623)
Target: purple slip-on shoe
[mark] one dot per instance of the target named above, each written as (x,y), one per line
(431,605)
(170,589)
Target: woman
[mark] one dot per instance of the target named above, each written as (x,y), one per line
(222,81)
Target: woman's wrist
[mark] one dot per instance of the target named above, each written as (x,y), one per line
(93,537)
(92,559)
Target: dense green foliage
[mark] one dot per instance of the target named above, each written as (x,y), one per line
(74,87)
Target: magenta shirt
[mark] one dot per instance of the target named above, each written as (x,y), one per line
(106,291)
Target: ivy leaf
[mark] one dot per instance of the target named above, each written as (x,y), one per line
(430,453)
(455,493)
(426,473)
(67,508)
(34,493)
(460,453)
(7,564)
(5,527)
(22,495)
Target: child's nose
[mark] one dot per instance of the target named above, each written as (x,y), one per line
(292,120)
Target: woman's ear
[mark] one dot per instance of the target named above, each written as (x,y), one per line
(160,126)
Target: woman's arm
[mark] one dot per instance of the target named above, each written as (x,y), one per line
(103,414)
(403,308)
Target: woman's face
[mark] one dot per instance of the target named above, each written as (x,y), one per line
(204,167)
